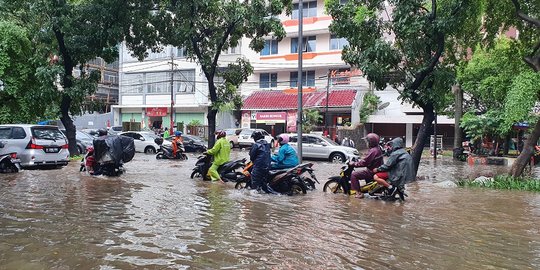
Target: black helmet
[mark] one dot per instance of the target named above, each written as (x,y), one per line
(257,135)
(102,132)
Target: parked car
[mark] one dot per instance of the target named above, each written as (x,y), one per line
(319,147)
(91,132)
(192,143)
(244,138)
(232,136)
(114,130)
(84,140)
(35,145)
(144,141)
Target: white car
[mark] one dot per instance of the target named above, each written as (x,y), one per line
(244,138)
(319,147)
(144,141)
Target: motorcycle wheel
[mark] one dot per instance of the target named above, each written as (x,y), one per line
(333,186)
(184,157)
(159,156)
(195,174)
(310,184)
(297,189)
(241,184)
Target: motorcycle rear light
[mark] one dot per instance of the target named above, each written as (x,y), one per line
(65,146)
(299,171)
(13,155)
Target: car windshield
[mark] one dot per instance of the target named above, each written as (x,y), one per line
(246,132)
(117,128)
(150,136)
(45,133)
(84,136)
(329,141)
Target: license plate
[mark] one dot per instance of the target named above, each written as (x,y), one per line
(52,150)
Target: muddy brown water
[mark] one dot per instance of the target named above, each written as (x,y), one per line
(155,217)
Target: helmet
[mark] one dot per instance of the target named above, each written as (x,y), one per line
(221,134)
(372,139)
(178,133)
(90,149)
(283,139)
(102,132)
(257,135)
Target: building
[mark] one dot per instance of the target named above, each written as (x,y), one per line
(275,71)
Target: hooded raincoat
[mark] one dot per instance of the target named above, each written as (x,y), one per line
(286,157)
(399,165)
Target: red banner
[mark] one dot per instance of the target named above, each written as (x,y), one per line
(156,111)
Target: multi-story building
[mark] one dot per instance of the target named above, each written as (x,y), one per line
(107,91)
(145,90)
(276,74)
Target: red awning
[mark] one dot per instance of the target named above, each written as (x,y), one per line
(277,100)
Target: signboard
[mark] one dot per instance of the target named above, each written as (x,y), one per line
(291,121)
(271,117)
(156,111)
(246,119)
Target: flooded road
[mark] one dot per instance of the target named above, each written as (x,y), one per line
(155,217)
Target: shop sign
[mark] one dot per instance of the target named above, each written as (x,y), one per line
(291,121)
(156,111)
(271,117)
(246,119)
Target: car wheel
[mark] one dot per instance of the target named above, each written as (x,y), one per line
(337,158)
(81,151)
(149,150)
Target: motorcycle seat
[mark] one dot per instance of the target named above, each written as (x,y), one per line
(276,172)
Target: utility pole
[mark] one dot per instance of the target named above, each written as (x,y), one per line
(172,92)
(299,83)
(326,112)
(436,141)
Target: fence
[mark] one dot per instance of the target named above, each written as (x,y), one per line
(201,131)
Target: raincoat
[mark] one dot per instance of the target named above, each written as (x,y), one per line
(399,165)
(286,157)
(260,156)
(221,152)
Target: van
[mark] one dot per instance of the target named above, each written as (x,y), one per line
(35,145)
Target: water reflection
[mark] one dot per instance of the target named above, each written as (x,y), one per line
(154,216)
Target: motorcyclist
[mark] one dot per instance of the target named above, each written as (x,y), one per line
(260,156)
(371,160)
(177,140)
(286,157)
(221,152)
(399,167)
(102,132)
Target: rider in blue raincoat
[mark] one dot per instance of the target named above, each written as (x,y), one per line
(286,156)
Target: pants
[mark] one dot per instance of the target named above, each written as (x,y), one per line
(259,179)
(213,172)
(365,174)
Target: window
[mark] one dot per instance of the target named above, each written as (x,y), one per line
(270,47)
(308,44)
(46,133)
(184,81)
(309,10)
(132,84)
(308,78)
(313,140)
(158,82)
(337,43)
(5,133)
(18,133)
(267,80)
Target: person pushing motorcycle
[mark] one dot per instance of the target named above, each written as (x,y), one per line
(175,142)
(371,160)
(286,157)
(260,156)
(221,152)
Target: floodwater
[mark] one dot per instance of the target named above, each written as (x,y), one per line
(155,217)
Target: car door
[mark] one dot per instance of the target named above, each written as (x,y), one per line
(307,147)
(319,147)
(139,147)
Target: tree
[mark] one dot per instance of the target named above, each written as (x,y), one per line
(206,28)
(78,31)
(524,16)
(312,118)
(17,73)
(411,45)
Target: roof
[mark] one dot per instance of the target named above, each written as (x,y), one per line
(278,100)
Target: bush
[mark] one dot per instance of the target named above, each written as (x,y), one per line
(504,182)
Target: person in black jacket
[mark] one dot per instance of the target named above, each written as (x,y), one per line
(260,156)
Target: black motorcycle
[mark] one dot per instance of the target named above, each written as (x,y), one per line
(166,151)
(342,184)
(9,163)
(285,181)
(227,171)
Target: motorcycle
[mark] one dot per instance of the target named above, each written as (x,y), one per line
(166,151)
(342,184)
(285,181)
(9,163)
(227,171)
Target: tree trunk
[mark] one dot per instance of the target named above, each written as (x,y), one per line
(458,114)
(68,124)
(507,140)
(426,130)
(528,150)
(211,126)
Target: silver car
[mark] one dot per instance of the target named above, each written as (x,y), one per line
(35,145)
(319,147)
(144,141)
